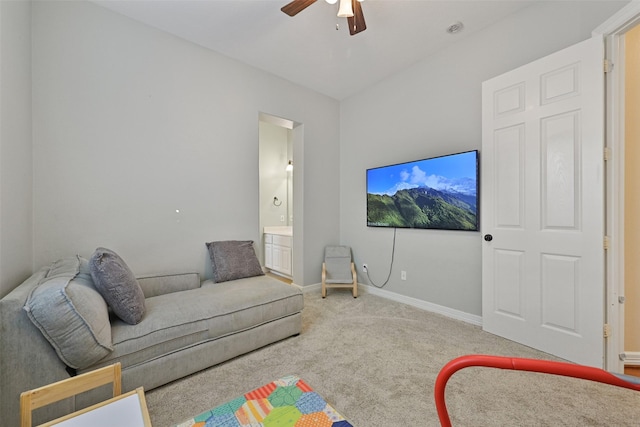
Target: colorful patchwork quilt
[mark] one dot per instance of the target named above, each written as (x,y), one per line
(287,402)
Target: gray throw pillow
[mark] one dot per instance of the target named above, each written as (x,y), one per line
(233,259)
(71,314)
(117,285)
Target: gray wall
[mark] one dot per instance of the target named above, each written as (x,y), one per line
(16,249)
(131,124)
(431,109)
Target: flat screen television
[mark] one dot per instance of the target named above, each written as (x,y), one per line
(435,193)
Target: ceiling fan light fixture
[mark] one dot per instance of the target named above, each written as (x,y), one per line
(346,9)
(349,9)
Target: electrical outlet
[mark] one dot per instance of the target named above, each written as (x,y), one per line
(403,275)
(364,267)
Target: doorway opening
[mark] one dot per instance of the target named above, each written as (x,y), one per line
(622,38)
(631,225)
(279,206)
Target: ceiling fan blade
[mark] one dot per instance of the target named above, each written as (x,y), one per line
(296,6)
(356,22)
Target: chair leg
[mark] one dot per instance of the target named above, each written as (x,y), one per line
(354,275)
(324,277)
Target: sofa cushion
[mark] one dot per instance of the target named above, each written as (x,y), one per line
(157,285)
(184,319)
(233,259)
(117,285)
(71,314)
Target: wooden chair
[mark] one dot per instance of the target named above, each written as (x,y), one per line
(338,270)
(51,393)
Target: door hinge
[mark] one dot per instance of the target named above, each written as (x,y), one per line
(621,299)
(606,330)
(607,154)
(606,243)
(607,66)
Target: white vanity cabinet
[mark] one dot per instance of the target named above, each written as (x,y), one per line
(268,251)
(277,253)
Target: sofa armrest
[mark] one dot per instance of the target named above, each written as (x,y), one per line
(27,360)
(167,283)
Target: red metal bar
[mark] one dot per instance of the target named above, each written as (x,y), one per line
(519,364)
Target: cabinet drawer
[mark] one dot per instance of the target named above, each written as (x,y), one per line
(268,238)
(282,240)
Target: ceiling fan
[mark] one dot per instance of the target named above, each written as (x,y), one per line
(349,9)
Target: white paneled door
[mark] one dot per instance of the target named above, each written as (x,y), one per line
(542,186)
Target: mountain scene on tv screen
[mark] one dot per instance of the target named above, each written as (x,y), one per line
(425,207)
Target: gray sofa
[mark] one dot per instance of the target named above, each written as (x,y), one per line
(188,326)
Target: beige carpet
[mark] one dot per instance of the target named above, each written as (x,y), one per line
(377,360)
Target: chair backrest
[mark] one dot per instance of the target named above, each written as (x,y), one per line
(51,393)
(337,261)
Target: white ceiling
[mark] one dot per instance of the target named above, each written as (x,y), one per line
(307,49)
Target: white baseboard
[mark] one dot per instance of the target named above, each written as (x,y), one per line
(298,286)
(414,302)
(425,305)
(631,358)
(305,289)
